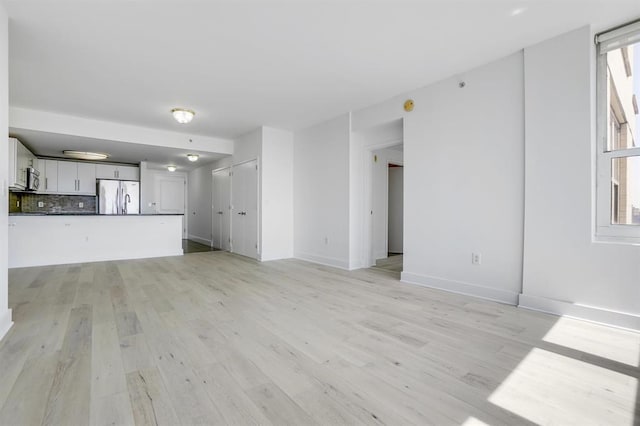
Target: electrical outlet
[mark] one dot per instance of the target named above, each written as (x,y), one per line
(40,204)
(326,240)
(80,204)
(476,258)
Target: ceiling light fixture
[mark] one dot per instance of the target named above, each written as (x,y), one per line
(193,157)
(84,155)
(171,168)
(182,116)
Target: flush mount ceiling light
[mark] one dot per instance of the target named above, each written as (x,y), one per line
(171,168)
(193,157)
(83,155)
(182,116)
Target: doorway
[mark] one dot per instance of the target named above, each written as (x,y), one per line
(386,212)
(395,219)
(170,195)
(221,209)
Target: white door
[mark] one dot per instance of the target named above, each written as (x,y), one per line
(244,199)
(170,197)
(221,226)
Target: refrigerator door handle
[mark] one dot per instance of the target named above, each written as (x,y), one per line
(118,200)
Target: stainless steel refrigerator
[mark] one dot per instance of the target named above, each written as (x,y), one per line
(118,196)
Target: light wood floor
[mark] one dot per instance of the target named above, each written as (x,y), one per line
(213,338)
(391,263)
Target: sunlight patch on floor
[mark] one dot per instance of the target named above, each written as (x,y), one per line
(546,379)
(607,342)
(472,421)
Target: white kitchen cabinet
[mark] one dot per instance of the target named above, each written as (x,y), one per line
(117,171)
(87,178)
(128,173)
(76,178)
(20,158)
(48,176)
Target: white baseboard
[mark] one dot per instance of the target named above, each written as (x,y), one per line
(200,240)
(494,294)
(588,313)
(5,323)
(322,260)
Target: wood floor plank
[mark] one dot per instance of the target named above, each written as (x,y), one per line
(233,403)
(26,403)
(69,397)
(150,401)
(111,410)
(278,407)
(107,370)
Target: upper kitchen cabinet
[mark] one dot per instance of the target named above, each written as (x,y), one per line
(116,171)
(76,178)
(20,159)
(48,175)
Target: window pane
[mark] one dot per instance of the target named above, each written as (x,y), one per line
(625,190)
(623,91)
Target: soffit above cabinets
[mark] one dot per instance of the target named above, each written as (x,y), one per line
(44,144)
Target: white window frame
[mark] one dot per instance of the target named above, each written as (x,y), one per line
(605,229)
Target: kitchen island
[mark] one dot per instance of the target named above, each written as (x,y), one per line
(54,239)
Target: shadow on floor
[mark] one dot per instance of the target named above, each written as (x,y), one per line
(189,246)
(392,263)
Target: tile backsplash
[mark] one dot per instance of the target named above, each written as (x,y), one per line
(51,203)
(14,202)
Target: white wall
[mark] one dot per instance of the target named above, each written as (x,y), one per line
(463,179)
(199,202)
(5,312)
(247,147)
(565,271)
(276,184)
(147,191)
(321,192)
(396,211)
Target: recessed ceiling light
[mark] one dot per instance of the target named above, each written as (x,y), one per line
(171,168)
(182,116)
(83,155)
(193,157)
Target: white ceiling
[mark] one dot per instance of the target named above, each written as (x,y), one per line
(286,64)
(51,145)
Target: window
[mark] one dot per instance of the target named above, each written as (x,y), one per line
(618,156)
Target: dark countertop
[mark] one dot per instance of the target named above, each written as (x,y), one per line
(91,214)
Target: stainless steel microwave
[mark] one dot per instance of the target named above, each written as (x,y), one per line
(33,179)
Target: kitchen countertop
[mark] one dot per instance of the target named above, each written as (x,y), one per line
(91,214)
